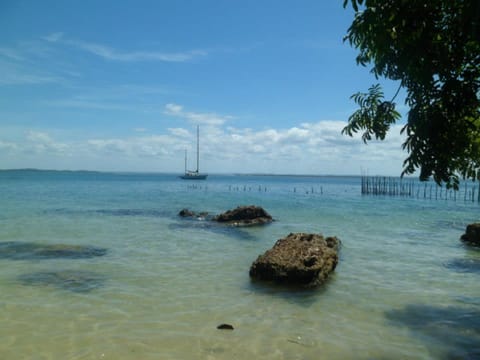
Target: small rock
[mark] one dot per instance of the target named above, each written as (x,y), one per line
(472,234)
(186,213)
(244,216)
(225,327)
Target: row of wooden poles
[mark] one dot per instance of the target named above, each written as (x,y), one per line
(394,186)
(262,188)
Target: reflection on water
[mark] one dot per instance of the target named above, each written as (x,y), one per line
(449,332)
(16,250)
(71,280)
(451,224)
(211,226)
(292,294)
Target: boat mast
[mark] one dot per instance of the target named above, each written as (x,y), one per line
(198,146)
(185,161)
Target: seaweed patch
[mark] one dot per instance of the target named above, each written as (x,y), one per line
(17,250)
(469,265)
(71,280)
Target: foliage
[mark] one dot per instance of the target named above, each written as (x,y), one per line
(374,116)
(433,50)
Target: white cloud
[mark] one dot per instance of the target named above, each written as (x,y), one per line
(86,103)
(313,147)
(179,132)
(54,37)
(8,146)
(42,142)
(11,54)
(139,146)
(195,117)
(26,79)
(121,97)
(109,53)
(17,74)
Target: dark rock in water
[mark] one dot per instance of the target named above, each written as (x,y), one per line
(298,259)
(244,216)
(14,250)
(241,216)
(472,234)
(225,327)
(76,281)
(187,213)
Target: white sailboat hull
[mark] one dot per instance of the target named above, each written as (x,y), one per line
(194,176)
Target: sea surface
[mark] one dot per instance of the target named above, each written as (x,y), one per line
(100,266)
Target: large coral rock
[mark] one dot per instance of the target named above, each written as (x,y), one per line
(245,216)
(298,259)
(472,234)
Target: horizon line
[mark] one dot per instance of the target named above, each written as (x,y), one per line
(214,173)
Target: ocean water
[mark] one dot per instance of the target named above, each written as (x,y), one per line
(99,266)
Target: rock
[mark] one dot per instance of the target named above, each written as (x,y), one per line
(192,214)
(244,216)
(225,327)
(186,213)
(472,234)
(298,259)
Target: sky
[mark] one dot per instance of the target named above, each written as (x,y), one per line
(122,85)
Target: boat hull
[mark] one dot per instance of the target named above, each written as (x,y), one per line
(194,177)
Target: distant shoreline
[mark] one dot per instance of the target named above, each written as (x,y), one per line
(294,175)
(169,173)
(175,173)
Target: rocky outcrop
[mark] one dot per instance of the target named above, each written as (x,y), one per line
(298,259)
(241,216)
(244,216)
(472,234)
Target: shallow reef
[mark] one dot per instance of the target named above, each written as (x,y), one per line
(72,280)
(17,250)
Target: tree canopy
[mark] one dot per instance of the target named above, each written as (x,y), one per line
(432,48)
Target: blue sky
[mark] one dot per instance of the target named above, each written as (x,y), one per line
(122,85)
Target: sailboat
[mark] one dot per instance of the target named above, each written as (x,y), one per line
(194,175)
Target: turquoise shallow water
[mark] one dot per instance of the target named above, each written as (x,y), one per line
(145,284)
